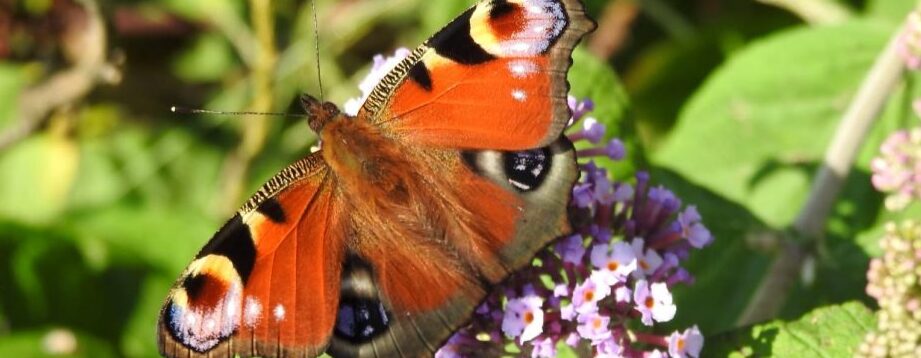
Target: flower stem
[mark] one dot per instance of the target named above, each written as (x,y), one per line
(650,339)
(770,296)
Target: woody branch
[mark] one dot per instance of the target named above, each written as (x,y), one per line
(84,43)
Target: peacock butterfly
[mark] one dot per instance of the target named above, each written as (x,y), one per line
(383,242)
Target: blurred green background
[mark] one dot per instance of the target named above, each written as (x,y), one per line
(105,195)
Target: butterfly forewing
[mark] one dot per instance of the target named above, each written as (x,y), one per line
(268,282)
(383,243)
(494,78)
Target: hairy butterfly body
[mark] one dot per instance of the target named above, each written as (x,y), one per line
(383,242)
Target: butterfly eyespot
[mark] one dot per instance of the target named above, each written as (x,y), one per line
(361,320)
(361,316)
(527,170)
(524,171)
(205,308)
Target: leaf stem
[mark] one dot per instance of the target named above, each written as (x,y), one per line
(839,158)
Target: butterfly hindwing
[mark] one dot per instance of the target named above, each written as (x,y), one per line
(494,78)
(540,179)
(505,206)
(268,282)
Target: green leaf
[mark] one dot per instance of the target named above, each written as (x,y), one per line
(169,167)
(12,80)
(589,77)
(757,129)
(40,343)
(53,279)
(438,14)
(831,331)
(208,59)
(163,237)
(892,10)
(140,331)
(38,178)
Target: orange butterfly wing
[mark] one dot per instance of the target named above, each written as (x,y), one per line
(453,105)
(384,242)
(268,282)
(494,78)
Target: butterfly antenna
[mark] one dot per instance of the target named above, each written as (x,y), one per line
(184,110)
(316,44)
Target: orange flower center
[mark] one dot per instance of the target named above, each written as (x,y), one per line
(613,265)
(589,295)
(644,265)
(680,344)
(649,302)
(596,323)
(528,317)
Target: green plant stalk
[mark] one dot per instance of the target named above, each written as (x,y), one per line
(811,221)
(254,132)
(237,33)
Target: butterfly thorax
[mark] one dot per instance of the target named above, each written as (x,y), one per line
(359,155)
(353,148)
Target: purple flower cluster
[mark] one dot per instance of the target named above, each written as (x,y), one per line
(895,282)
(897,170)
(602,289)
(380,66)
(894,279)
(909,43)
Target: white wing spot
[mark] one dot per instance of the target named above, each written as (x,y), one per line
(521,68)
(252,312)
(279,312)
(233,307)
(519,185)
(519,95)
(521,47)
(191,318)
